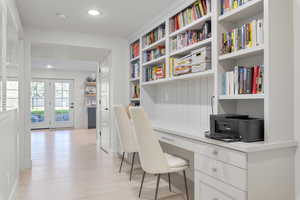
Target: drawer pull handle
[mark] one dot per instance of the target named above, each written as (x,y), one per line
(215,199)
(214,169)
(215,152)
(167,139)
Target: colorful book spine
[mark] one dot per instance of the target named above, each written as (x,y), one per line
(243,80)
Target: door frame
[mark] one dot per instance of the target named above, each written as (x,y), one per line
(98,124)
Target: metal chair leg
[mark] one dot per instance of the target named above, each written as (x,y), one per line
(169,176)
(186,186)
(122,162)
(157,186)
(132,166)
(142,184)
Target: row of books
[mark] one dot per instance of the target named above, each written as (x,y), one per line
(228,5)
(135,49)
(135,70)
(246,36)
(191,37)
(135,90)
(155,72)
(243,80)
(155,35)
(154,53)
(199,9)
(197,61)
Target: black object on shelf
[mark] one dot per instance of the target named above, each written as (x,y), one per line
(92,117)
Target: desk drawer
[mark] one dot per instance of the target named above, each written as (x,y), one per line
(229,156)
(208,188)
(227,173)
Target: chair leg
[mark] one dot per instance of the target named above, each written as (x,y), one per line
(186,186)
(157,186)
(142,184)
(132,166)
(169,176)
(122,162)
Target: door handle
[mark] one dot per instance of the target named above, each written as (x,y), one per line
(105,108)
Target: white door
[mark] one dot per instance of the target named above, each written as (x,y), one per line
(52,104)
(104,125)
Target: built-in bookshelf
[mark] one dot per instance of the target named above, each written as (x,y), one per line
(234,35)
(135,72)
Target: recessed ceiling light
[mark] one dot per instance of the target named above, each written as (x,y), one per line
(60,15)
(94,12)
(49,67)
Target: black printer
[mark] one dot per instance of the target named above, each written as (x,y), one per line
(232,128)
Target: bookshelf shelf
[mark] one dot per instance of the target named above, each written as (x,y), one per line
(155,44)
(192,26)
(242,96)
(247,10)
(258,50)
(187,49)
(155,61)
(135,59)
(182,77)
(134,79)
(135,99)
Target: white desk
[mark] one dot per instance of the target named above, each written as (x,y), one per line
(237,171)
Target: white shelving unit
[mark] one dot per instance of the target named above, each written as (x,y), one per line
(272,54)
(133,81)
(180,106)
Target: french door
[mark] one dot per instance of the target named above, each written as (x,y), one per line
(52,104)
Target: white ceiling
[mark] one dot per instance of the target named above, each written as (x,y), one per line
(121,17)
(63,57)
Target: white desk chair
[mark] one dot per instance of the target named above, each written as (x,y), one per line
(126,135)
(153,159)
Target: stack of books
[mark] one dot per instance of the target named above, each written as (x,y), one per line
(247,36)
(155,35)
(244,80)
(199,9)
(197,61)
(155,72)
(135,70)
(154,53)
(135,50)
(191,37)
(228,5)
(135,91)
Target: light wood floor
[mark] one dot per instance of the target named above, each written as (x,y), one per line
(68,166)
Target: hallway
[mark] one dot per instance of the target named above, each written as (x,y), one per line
(68,166)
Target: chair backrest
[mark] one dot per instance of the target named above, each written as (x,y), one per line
(153,160)
(125,129)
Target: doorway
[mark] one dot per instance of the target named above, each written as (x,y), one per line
(52,104)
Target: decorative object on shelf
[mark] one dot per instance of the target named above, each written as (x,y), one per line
(135,70)
(135,90)
(243,80)
(199,9)
(191,37)
(246,36)
(91,78)
(197,61)
(155,35)
(135,49)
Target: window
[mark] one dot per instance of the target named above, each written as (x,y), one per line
(12,95)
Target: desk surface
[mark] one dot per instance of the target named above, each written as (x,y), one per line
(239,146)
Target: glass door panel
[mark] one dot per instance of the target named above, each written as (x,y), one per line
(39,104)
(63,103)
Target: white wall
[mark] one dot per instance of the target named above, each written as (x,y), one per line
(297,90)
(79,78)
